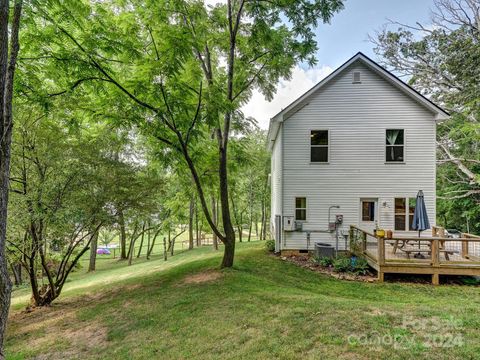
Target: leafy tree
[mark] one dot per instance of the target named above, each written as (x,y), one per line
(442,60)
(59,200)
(187,68)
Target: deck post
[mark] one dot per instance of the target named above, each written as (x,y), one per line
(381,276)
(435,261)
(381,250)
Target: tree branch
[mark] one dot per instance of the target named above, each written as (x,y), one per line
(470,175)
(77,83)
(109,77)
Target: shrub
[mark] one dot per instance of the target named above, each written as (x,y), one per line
(342,264)
(353,264)
(324,261)
(360,266)
(270,245)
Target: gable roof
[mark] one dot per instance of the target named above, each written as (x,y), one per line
(440,114)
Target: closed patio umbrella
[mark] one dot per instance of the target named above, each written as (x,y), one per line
(420,218)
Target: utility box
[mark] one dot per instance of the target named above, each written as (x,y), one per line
(298,226)
(338,219)
(288,223)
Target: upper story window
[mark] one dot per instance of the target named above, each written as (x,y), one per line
(395,145)
(301,209)
(319,146)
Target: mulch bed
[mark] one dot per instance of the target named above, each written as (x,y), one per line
(308,263)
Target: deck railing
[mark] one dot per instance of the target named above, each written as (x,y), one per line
(408,253)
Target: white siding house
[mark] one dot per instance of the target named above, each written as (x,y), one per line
(361,140)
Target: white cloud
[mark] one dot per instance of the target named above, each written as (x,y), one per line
(287,91)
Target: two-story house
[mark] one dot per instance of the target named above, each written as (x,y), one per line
(360,144)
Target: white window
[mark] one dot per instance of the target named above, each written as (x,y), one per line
(404,214)
(319,146)
(301,209)
(395,145)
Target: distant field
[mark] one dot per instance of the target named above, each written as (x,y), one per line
(181,243)
(263,308)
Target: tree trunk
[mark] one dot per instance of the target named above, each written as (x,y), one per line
(93,252)
(197,235)
(17,273)
(7,72)
(123,235)
(169,233)
(164,249)
(171,242)
(190,225)
(250,230)
(229,253)
(264,222)
(141,243)
(148,242)
(149,252)
(131,249)
(214,218)
(229,240)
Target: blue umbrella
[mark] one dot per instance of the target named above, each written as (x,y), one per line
(420,218)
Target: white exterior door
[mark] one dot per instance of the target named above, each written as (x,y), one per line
(369,217)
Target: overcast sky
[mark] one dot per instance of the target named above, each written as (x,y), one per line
(337,42)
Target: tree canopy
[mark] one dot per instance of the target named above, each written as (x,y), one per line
(442,60)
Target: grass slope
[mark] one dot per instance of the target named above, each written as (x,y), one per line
(263,308)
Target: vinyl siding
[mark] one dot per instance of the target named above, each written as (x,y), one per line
(276,180)
(357,116)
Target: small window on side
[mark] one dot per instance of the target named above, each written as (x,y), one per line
(356,77)
(395,145)
(368,211)
(301,209)
(319,146)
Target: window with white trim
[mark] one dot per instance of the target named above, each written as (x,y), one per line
(319,146)
(300,208)
(404,213)
(395,145)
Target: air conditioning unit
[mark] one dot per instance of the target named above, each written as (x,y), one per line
(288,223)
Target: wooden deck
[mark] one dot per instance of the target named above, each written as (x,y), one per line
(434,255)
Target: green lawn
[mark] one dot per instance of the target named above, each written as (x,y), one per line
(264,308)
